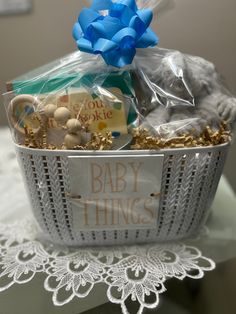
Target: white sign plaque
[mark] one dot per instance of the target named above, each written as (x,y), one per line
(115,192)
(15,6)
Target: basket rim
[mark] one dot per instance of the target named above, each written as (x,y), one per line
(168,151)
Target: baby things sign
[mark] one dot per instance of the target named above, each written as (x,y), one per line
(115,192)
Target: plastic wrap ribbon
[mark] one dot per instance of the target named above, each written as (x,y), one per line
(116,35)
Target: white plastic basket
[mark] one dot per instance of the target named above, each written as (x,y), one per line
(189,182)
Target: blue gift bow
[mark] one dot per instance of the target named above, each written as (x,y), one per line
(116,35)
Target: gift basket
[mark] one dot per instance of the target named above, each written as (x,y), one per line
(121,141)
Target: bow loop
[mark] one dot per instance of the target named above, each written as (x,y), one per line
(86,17)
(131,4)
(125,34)
(116,35)
(95,31)
(145,16)
(98,5)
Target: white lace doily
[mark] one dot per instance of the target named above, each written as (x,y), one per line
(136,272)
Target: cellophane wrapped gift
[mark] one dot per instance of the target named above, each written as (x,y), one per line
(119,143)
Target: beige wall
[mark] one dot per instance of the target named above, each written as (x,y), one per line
(202,27)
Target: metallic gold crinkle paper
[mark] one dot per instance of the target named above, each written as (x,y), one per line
(143,140)
(100,142)
(97,142)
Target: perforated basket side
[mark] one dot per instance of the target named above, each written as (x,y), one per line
(189,182)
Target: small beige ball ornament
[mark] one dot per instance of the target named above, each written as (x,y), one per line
(49,110)
(72,140)
(62,115)
(73,126)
